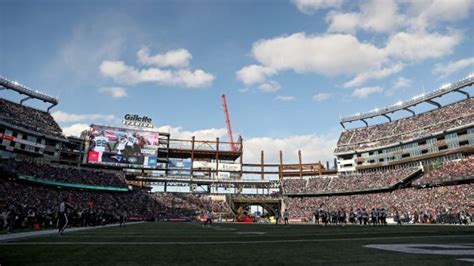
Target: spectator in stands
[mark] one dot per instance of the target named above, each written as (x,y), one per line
(411,128)
(65,174)
(349,182)
(449,171)
(431,202)
(29,118)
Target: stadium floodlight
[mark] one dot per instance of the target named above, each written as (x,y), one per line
(444,86)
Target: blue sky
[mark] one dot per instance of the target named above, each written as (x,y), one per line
(288,68)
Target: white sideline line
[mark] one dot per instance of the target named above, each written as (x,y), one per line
(221,242)
(235,234)
(440,249)
(14,236)
(467,259)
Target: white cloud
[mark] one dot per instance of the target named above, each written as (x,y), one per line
(244,90)
(380,16)
(364,92)
(311,6)
(398,84)
(330,54)
(430,13)
(105,36)
(203,134)
(270,86)
(453,66)
(124,74)
(401,82)
(374,15)
(75,129)
(321,96)
(313,147)
(409,38)
(374,74)
(284,98)
(421,45)
(115,92)
(61,116)
(385,16)
(174,58)
(343,22)
(254,74)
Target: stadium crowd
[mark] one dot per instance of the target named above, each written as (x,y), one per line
(431,205)
(449,171)
(343,183)
(180,204)
(294,184)
(22,205)
(64,174)
(29,118)
(411,128)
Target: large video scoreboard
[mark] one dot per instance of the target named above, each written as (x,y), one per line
(123,147)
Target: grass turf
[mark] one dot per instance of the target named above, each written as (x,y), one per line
(224,244)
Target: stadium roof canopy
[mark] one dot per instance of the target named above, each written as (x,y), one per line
(399,106)
(21,89)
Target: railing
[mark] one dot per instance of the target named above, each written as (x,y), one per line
(72,185)
(414,101)
(200,145)
(27,91)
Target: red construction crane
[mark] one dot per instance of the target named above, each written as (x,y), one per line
(233,146)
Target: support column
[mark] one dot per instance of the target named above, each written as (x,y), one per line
(281,172)
(192,156)
(301,165)
(217,157)
(261,165)
(241,156)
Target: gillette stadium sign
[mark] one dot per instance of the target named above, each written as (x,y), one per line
(132,120)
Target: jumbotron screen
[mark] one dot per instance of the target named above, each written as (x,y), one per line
(122,146)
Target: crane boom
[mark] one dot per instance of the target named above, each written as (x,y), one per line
(227,122)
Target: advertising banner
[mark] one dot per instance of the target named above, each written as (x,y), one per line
(226,167)
(223,175)
(229,167)
(179,164)
(204,165)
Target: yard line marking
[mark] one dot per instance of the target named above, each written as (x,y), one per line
(441,249)
(250,233)
(14,236)
(271,234)
(466,259)
(222,242)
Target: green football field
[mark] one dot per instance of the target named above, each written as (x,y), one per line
(247,244)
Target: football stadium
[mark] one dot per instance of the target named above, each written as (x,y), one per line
(404,185)
(397,189)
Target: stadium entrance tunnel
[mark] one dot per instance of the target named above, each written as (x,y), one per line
(241,206)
